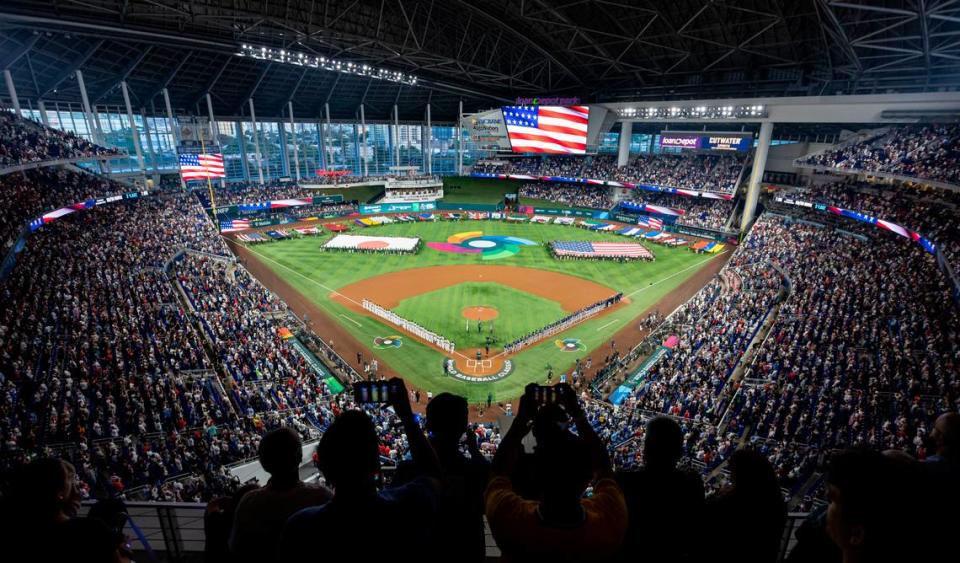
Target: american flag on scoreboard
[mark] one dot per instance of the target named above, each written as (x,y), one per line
(585,249)
(651,223)
(547,129)
(201,166)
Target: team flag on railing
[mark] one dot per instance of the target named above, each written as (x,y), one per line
(201,166)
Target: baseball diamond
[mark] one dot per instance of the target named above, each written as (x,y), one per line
(530,289)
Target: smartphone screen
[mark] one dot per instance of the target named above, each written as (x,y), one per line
(371,392)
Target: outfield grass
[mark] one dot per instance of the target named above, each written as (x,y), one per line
(317,274)
(464,189)
(520,313)
(363,194)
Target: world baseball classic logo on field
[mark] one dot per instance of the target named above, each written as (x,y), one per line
(570,345)
(387,342)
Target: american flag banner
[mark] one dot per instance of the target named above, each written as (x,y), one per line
(584,249)
(651,223)
(228,226)
(201,166)
(547,129)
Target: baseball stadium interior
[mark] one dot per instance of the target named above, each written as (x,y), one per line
(526,280)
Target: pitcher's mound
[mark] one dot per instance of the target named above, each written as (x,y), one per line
(480,313)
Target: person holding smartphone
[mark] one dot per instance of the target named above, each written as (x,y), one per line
(562,526)
(399,518)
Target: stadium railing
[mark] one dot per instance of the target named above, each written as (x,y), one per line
(174,530)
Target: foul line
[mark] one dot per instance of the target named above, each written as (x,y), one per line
(675,274)
(308,278)
(608,324)
(349,319)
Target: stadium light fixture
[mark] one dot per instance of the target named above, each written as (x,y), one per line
(698,112)
(284,56)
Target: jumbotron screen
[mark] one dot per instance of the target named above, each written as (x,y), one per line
(547,129)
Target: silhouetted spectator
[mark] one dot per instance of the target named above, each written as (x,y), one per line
(42,496)
(751,510)
(217,522)
(261,514)
(460,520)
(359,520)
(659,496)
(867,515)
(39,519)
(562,526)
(941,480)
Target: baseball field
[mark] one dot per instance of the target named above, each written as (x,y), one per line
(476,302)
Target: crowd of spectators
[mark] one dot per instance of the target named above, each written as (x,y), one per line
(27,195)
(688,170)
(595,197)
(22,141)
(234,193)
(929,211)
(930,152)
(699,212)
(863,350)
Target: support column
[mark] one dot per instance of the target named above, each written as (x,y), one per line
(623,154)
(87,114)
(363,144)
(396,132)
(428,152)
(214,137)
(756,175)
(146,131)
(243,150)
(213,123)
(42,107)
(176,134)
(460,140)
(296,145)
(133,127)
(256,141)
(323,138)
(8,78)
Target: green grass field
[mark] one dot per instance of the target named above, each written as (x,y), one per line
(463,189)
(317,274)
(363,194)
(440,311)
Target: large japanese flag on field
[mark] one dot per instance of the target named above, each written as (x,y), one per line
(547,129)
(361,242)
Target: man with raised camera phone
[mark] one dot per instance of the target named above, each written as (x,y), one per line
(562,525)
(360,517)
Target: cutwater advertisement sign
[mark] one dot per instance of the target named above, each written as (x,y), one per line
(397,208)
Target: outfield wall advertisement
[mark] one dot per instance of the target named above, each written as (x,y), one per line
(397,207)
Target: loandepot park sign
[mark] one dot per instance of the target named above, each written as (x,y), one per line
(452,371)
(548,101)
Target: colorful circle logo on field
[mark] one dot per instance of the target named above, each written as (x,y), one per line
(387,342)
(488,247)
(570,345)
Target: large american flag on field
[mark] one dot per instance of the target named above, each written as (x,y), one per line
(201,166)
(547,129)
(651,223)
(586,249)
